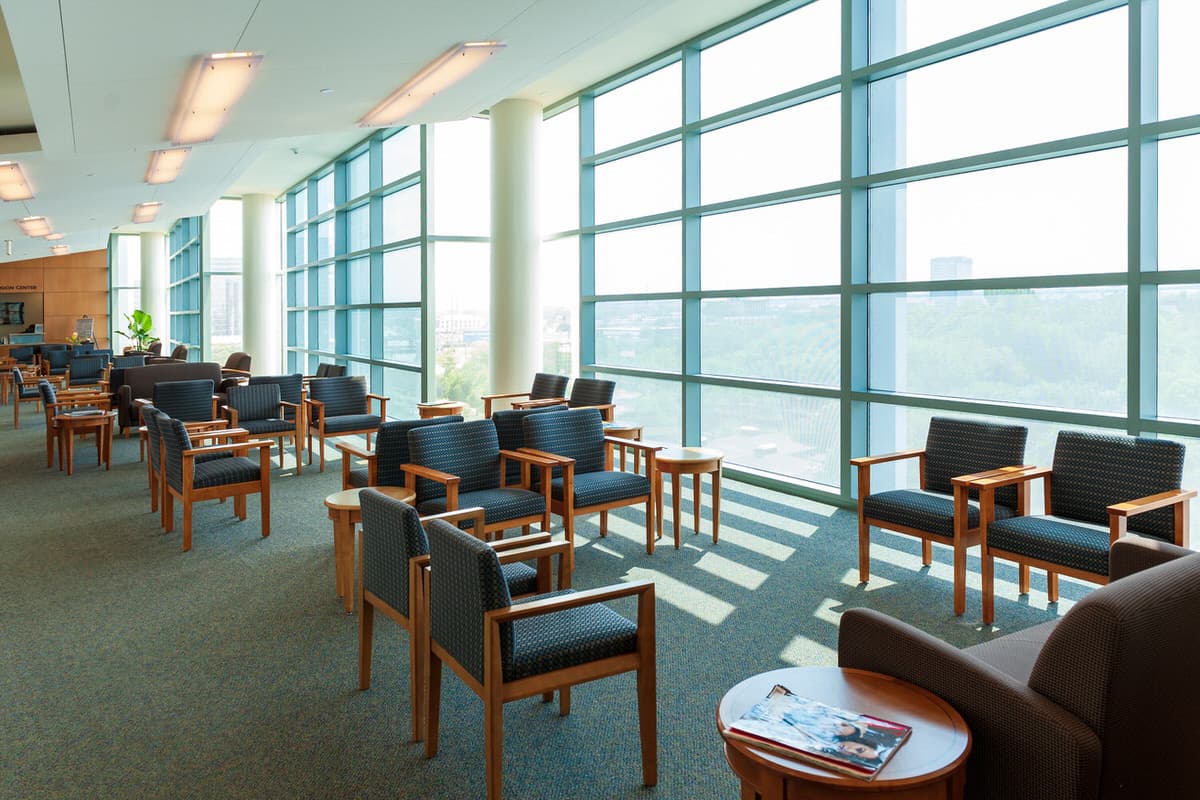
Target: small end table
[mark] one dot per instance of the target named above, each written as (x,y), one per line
(345,512)
(694,461)
(623,430)
(931,765)
(444,408)
(72,424)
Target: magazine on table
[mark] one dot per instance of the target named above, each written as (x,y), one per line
(834,738)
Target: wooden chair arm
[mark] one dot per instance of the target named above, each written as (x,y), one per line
(532,457)
(527,540)
(503,396)
(473,513)
(545,401)
(528,551)
(245,372)
(645,447)
(430,473)
(231,414)
(999,472)
(1131,508)
(866,461)
(555,460)
(1008,477)
(205,425)
(586,597)
(289,404)
(227,448)
(234,434)
(358,452)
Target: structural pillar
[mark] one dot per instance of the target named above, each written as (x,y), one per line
(155,284)
(516,311)
(261,284)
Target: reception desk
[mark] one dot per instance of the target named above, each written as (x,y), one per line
(26,338)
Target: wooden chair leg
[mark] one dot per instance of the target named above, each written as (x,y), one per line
(564,701)
(321,444)
(647,702)
(433,706)
(168,511)
(864,551)
(493,742)
(264,510)
(366,639)
(960,578)
(926,552)
(239,506)
(187,526)
(1052,587)
(986,569)
(603,524)
(649,523)
(1023,578)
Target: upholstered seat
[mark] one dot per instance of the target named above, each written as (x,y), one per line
(510,433)
(341,406)
(352,423)
(500,504)
(23,394)
(927,511)
(259,409)
(390,454)
(1060,540)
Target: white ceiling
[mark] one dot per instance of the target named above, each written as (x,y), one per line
(101,81)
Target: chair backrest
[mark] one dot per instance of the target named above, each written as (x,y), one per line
(469,450)
(57,359)
(591,392)
(466,581)
(342,396)
(1093,471)
(121,362)
(546,386)
(510,432)
(83,348)
(391,535)
(257,401)
(150,418)
(49,397)
(956,447)
(238,360)
(577,434)
(22,354)
(291,389)
(330,370)
(180,353)
(175,440)
(18,378)
(50,348)
(185,400)
(84,368)
(155,348)
(1123,661)
(391,447)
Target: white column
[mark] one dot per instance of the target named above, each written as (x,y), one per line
(516,312)
(261,284)
(155,284)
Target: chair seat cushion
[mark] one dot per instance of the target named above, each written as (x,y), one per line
(267,425)
(352,422)
(205,457)
(521,578)
(1079,545)
(568,638)
(925,511)
(1016,653)
(595,488)
(499,504)
(29,392)
(359,477)
(224,471)
(85,380)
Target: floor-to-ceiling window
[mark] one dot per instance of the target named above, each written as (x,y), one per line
(184,250)
(806,232)
(224,279)
(125,280)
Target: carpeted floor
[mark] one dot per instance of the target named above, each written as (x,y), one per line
(132,669)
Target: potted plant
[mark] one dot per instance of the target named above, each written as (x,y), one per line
(137,330)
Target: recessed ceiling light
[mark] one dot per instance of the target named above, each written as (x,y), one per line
(146,212)
(53,237)
(13,185)
(211,89)
(60,249)
(35,226)
(165,164)
(446,70)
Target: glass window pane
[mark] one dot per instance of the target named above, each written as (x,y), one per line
(321,331)
(644,333)
(297,288)
(462,289)
(1178,203)
(358,332)
(762,62)
(402,275)
(1178,59)
(300,247)
(301,204)
(560,306)
(762,155)
(297,329)
(224,316)
(795,339)
(129,261)
(792,244)
(774,432)
(225,235)
(358,274)
(903,27)
(1178,357)
(325,239)
(1066,81)
(324,193)
(401,154)
(403,390)
(402,215)
(1045,347)
(402,335)
(358,228)
(640,185)
(648,259)
(1070,213)
(461,163)
(640,108)
(559,156)
(358,175)
(657,405)
(322,285)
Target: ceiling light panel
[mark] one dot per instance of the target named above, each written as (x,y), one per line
(449,68)
(35,226)
(210,91)
(146,212)
(13,185)
(59,249)
(53,237)
(165,165)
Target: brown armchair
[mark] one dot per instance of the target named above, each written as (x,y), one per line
(1088,706)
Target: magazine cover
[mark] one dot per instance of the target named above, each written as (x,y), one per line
(854,744)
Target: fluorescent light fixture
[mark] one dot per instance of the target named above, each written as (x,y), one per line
(212,88)
(165,165)
(146,212)
(13,185)
(59,249)
(53,237)
(449,68)
(35,226)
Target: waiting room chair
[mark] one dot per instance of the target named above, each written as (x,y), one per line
(155,348)
(56,361)
(461,464)
(585,393)
(510,433)
(22,354)
(190,401)
(87,370)
(54,405)
(505,651)
(390,454)
(1094,705)
(545,386)
(1099,487)
(23,394)
(584,480)
(191,479)
(341,407)
(393,552)
(180,353)
(941,511)
(260,410)
(152,420)
(236,366)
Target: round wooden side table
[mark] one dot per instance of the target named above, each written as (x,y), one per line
(444,408)
(694,461)
(931,765)
(345,512)
(623,430)
(74,424)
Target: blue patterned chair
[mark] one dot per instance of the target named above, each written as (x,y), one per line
(53,405)
(394,552)
(941,511)
(152,420)
(505,651)
(259,409)
(189,476)
(291,390)
(461,464)
(23,394)
(585,393)
(23,354)
(1099,488)
(190,401)
(510,432)
(87,370)
(56,362)
(390,454)
(584,479)
(545,387)
(341,407)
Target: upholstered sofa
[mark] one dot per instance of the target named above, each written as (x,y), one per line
(139,382)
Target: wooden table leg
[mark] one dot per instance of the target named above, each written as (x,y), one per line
(70,431)
(716,492)
(108,439)
(675,526)
(341,521)
(697,489)
(657,480)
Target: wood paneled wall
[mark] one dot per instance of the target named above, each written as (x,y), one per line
(71,286)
